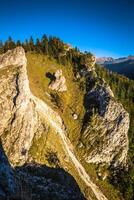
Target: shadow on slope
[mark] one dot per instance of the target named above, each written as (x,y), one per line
(33,181)
(124,68)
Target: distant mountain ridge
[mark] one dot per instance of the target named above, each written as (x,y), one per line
(124,65)
(110,60)
(102,60)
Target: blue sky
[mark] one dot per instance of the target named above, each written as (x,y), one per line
(104,27)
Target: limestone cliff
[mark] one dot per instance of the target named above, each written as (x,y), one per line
(18,116)
(107,138)
(24,117)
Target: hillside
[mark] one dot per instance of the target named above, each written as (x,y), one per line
(124,66)
(123,89)
(78,130)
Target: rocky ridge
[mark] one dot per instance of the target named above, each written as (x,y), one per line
(23,116)
(110,128)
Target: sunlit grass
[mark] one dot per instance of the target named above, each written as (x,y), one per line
(70,102)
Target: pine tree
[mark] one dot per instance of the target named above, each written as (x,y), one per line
(26,45)
(31,44)
(18,43)
(1,47)
(9,44)
(44,44)
(38,46)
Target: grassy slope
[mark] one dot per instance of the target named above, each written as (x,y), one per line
(70,101)
(37,68)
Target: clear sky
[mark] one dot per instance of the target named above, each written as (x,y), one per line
(104,27)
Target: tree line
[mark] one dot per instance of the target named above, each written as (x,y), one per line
(122,87)
(50,46)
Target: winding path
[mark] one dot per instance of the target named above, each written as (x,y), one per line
(56,122)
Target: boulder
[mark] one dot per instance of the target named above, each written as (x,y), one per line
(59,84)
(75,116)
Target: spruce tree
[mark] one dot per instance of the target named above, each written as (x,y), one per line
(31,44)
(1,47)
(38,46)
(18,43)
(44,44)
(26,45)
(9,44)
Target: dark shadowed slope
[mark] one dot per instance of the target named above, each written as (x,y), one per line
(125,68)
(33,181)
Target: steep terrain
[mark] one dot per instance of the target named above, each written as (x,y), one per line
(124,66)
(40,127)
(110,60)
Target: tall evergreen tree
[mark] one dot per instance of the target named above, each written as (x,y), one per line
(44,44)
(38,46)
(26,45)
(18,43)
(1,47)
(31,44)
(9,44)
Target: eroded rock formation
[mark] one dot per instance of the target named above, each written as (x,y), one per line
(59,84)
(22,116)
(18,117)
(107,139)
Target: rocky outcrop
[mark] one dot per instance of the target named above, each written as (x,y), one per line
(18,117)
(89,63)
(13,57)
(59,84)
(108,139)
(22,116)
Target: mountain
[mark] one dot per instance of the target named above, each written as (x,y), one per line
(124,66)
(102,60)
(55,129)
(110,60)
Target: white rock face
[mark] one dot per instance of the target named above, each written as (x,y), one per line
(111,128)
(20,111)
(13,57)
(93,61)
(59,84)
(75,116)
(18,115)
(23,115)
(90,63)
